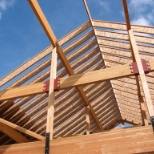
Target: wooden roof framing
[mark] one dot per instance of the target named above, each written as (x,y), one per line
(95,76)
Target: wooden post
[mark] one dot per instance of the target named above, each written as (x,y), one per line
(142,74)
(50,110)
(144,108)
(134,56)
(87,120)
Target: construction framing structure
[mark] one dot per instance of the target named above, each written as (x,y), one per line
(69,97)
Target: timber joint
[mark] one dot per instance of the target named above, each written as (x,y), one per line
(56,85)
(145,64)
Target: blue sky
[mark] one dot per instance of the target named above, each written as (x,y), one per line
(21,36)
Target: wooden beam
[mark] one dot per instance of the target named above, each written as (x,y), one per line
(117,44)
(87,120)
(12,133)
(75,33)
(31,74)
(42,19)
(71,81)
(142,74)
(87,10)
(144,109)
(91,21)
(120,141)
(50,110)
(64,60)
(39,56)
(123,36)
(79,89)
(126,14)
(94,30)
(128,25)
(12,93)
(122,26)
(21,129)
(95,76)
(136,58)
(25,66)
(130,122)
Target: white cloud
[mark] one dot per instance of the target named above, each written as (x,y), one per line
(102,3)
(142,11)
(141,21)
(141,3)
(5,4)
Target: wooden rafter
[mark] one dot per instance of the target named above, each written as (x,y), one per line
(79,89)
(25,66)
(128,25)
(123,36)
(142,74)
(87,10)
(12,133)
(95,76)
(122,26)
(137,59)
(21,129)
(38,57)
(91,21)
(37,88)
(42,19)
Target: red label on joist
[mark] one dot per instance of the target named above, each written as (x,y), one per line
(47,85)
(145,64)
